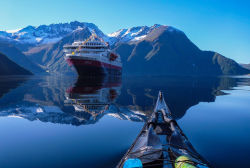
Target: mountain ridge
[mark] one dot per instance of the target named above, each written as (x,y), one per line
(52,33)
(45,34)
(247,66)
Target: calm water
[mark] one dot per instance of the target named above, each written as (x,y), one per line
(67,122)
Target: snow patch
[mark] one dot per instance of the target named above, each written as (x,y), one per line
(13,31)
(14,116)
(39,110)
(38,39)
(117,33)
(139,38)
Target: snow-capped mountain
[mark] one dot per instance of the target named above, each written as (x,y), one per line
(53,33)
(132,34)
(44,34)
(135,33)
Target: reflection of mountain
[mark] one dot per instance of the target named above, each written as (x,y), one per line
(180,93)
(44,91)
(54,99)
(7,84)
(44,99)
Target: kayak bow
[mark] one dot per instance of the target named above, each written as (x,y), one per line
(161,143)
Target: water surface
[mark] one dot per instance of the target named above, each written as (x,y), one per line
(67,122)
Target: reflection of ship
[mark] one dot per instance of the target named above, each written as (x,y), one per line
(93,57)
(92,94)
(93,97)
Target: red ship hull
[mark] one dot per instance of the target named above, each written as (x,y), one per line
(93,67)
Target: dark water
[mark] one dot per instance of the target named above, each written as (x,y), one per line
(67,122)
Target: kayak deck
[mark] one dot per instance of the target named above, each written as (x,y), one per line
(161,143)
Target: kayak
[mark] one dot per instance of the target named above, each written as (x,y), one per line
(162,144)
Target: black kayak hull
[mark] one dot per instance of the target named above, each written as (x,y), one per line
(161,142)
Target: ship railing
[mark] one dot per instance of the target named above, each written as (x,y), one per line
(84,49)
(83,45)
(90,54)
(86,58)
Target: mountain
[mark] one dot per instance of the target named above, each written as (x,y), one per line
(8,67)
(167,51)
(154,50)
(45,34)
(19,58)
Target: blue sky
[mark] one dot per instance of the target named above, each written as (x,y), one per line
(218,25)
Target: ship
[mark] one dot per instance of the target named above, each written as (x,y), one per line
(93,56)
